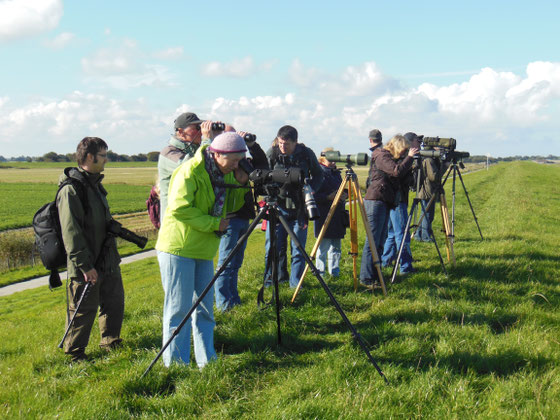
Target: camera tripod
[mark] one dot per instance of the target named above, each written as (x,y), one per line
(271,208)
(412,211)
(355,199)
(454,167)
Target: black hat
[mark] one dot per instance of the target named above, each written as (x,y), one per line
(375,135)
(410,136)
(186,119)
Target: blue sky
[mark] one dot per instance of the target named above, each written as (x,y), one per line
(485,73)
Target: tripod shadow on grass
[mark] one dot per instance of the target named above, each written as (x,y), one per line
(506,363)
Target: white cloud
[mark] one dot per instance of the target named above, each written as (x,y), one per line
(25,18)
(500,113)
(125,66)
(60,41)
(237,68)
(362,81)
(127,126)
(171,53)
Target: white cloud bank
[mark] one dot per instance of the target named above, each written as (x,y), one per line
(25,18)
(500,113)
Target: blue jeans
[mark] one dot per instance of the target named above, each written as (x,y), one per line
(297,260)
(183,281)
(225,287)
(378,217)
(328,251)
(424,232)
(395,230)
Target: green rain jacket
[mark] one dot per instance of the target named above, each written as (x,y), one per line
(188,227)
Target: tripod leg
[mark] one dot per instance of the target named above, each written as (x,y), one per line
(403,240)
(353,215)
(208,287)
(372,244)
(273,222)
(321,235)
(447,229)
(422,214)
(469,201)
(433,237)
(355,333)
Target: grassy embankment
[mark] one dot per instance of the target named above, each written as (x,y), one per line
(481,343)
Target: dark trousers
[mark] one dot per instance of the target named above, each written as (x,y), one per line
(107,295)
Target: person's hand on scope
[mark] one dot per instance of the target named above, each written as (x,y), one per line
(413,151)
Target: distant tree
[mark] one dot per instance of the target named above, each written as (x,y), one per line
(3,159)
(153,156)
(141,157)
(71,157)
(50,157)
(112,156)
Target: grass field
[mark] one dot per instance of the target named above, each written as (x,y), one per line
(483,342)
(29,186)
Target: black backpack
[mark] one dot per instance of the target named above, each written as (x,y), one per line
(48,234)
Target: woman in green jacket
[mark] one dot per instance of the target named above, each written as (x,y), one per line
(189,239)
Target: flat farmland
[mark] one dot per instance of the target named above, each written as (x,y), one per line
(26,189)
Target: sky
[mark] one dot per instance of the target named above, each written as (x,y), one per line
(486,73)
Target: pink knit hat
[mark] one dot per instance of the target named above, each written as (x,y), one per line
(228,142)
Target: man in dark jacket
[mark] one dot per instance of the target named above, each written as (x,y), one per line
(92,253)
(381,196)
(225,288)
(288,153)
(432,170)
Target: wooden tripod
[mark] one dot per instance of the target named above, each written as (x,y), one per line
(449,239)
(355,200)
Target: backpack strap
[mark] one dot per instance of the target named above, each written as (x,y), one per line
(80,184)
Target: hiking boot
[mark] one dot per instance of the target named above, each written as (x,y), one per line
(111,346)
(78,356)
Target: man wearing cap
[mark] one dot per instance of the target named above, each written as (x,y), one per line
(189,133)
(188,239)
(379,199)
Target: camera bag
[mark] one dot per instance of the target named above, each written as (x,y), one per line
(48,233)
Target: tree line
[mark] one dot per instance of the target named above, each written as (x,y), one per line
(71,157)
(153,157)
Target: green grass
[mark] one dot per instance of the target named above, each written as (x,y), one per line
(481,343)
(26,198)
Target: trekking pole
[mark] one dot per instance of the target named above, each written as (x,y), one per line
(84,293)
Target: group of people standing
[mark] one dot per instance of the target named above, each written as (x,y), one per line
(205,206)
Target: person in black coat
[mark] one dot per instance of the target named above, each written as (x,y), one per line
(328,252)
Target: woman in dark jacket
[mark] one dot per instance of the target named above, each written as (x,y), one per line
(380,199)
(398,146)
(328,252)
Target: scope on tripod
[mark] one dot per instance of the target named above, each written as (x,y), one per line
(446,143)
(289,176)
(357,159)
